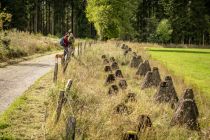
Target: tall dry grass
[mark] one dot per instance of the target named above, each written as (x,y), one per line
(94,108)
(22,44)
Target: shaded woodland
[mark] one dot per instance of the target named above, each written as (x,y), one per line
(160,21)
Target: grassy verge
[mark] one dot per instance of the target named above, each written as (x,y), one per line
(16,46)
(25,118)
(93,107)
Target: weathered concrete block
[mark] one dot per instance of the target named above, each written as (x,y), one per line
(107,69)
(187,112)
(113,90)
(103,56)
(105,61)
(112,59)
(166,92)
(136,61)
(151,79)
(110,79)
(130,97)
(143,68)
(118,73)
(114,65)
(143,122)
(122,109)
(123,84)
(130,135)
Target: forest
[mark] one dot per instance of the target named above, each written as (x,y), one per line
(159,21)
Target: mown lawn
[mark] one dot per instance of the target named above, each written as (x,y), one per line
(191,64)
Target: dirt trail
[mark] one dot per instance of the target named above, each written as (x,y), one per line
(16,79)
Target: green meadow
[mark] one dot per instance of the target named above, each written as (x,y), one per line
(193,65)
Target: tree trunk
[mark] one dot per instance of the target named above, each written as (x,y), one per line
(72,17)
(30,30)
(33,22)
(42,18)
(49,18)
(35,17)
(38,17)
(67,19)
(46,20)
(53,18)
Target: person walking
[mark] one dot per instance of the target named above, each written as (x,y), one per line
(64,42)
(71,40)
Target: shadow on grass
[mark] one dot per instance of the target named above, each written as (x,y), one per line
(182,51)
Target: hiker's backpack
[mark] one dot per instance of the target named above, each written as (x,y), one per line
(62,42)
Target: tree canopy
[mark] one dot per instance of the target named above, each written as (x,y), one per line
(112,18)
(139,20)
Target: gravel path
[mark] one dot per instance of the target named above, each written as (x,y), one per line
(16,79)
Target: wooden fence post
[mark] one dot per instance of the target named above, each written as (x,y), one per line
(70,128)
(65,67)
(61,100)
(55,72)
(62,61)
(68,85)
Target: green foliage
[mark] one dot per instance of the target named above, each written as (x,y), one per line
(151,29)
(100,14)
(112,19)
(4,18)
(168,7)
(164,31)
(187,19)
(19,13)
(123,19)
(49,16)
